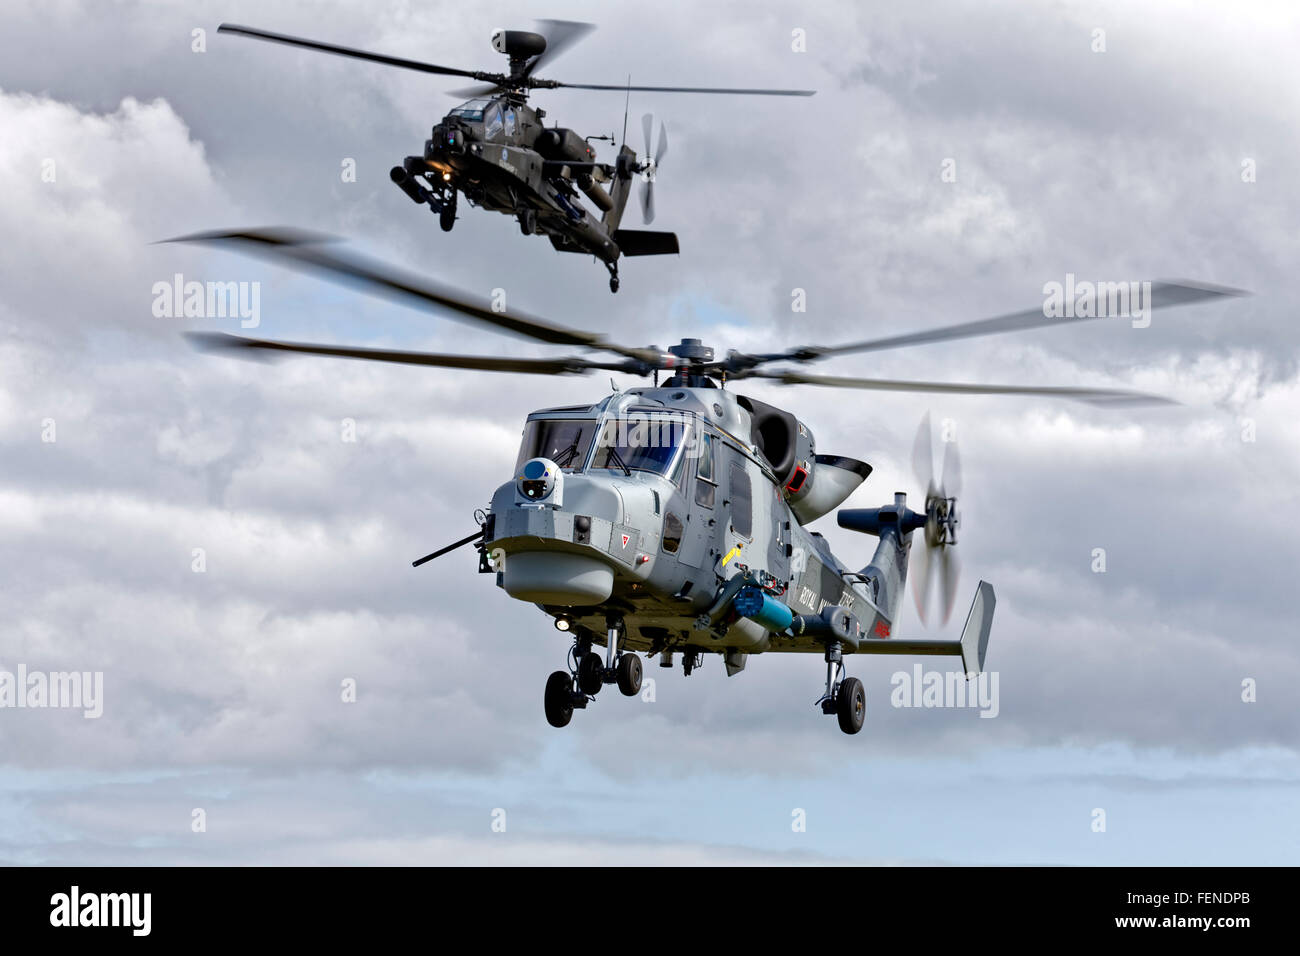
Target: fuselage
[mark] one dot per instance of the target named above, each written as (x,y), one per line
(663,495)
(498,153)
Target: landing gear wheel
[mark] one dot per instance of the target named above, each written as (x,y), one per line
(559,700)
(613,283)
(527,222)
(851,705)
(591,673)
(447,218)
(629,675)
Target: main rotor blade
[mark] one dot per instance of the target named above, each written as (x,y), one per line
(560,35)
(234,344)
(1092,396)
(622,87)
(474,92)
(1164,294)
(309,252)
(405,64)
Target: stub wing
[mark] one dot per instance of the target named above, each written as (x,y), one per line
(639,242)
(971,647)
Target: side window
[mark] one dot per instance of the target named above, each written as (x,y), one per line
(742,509)
(672,539)
(705,486)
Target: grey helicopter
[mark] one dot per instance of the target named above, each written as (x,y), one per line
(496,151)
(672,520)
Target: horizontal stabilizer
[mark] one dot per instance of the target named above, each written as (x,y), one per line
(639,242)
(971,648)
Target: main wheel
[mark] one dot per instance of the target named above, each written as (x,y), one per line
(629,675)
(613,283)
(559,704)
(447,217)
(851,705)
(528,222)
(591,673)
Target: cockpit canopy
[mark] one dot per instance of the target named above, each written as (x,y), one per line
(641,440)
(473,110)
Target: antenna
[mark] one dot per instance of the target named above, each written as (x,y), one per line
(626,102)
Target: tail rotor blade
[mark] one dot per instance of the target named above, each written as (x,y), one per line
(647,126)
(951,481)
(922,567)
(949,572)
(922,456)
(662,151)
(648,201)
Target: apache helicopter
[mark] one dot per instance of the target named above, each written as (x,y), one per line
(496,150)
(672,519)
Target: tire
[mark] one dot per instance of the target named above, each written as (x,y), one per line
(447,217)
(851,705)
(591,673)
(629,675)
(559,703)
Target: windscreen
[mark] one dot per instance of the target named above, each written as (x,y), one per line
(641,443)
(562,440)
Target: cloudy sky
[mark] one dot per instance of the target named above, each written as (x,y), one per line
(1168,152)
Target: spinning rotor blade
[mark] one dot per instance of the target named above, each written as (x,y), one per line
(405,64)
(1163,295)
(647,194)
(922,568)
(647,127)
(224,342)
(309,252)
(1092,396)
(552,84)
(949,572)
(923,455)
(950,481)
(662,151)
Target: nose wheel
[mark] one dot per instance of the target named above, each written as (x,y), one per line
(573,689)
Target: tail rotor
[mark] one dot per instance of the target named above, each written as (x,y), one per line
(650,166)
(936,561)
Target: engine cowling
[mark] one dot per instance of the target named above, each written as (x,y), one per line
(559,144)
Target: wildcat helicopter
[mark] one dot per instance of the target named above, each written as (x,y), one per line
(495,149)
(671,520)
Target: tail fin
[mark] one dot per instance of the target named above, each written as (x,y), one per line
(979,624)
(622,187)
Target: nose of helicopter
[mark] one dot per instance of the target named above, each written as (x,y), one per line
(550,577)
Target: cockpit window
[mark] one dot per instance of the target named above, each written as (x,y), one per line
(492,121)
(640,442)
(473,110)
(564,441)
